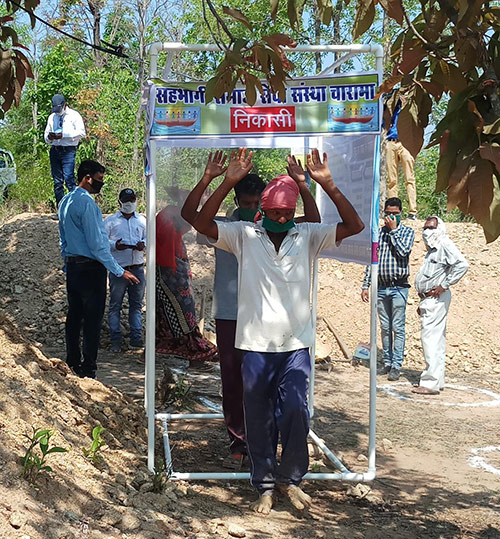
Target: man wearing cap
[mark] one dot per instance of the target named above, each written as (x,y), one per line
(87,255)
(127,237)
(63,132)
(274,326)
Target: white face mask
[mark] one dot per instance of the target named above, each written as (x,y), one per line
(430,237)
(128,207)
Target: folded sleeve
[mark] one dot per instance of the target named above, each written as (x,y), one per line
(321,237)
(230,237)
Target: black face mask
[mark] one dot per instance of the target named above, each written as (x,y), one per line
(96,186)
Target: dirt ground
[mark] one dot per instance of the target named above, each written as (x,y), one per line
(425,485)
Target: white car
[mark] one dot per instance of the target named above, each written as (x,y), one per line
(8,175)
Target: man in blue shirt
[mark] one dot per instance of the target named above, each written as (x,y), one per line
(395,244)
(396,154)
(87,255)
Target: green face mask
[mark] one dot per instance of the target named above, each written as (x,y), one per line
(247,214)
(398,217)
(274,226)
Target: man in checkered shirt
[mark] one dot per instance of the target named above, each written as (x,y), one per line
(395,244)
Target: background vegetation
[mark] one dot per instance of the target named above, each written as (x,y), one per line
(106,89)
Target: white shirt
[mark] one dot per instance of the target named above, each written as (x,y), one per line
(130,231)
(274,307)
(71,126)
(444,266)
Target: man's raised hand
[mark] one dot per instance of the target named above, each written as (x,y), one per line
(318,170)
(295,169)
(215,165)
(240,164)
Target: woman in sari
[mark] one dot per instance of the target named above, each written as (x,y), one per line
(177,332)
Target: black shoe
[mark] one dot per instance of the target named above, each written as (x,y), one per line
(136,344)
(115,348)
(411,217)
(394,374)
(385,370)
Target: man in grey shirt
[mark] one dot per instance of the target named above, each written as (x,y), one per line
(443,266)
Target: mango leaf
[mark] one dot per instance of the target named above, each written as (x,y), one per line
(294,10)
(237,15)
(433,88)
(210,89)
(491,152)
(325,10)
(478,119)
(457,181)
(250,91)
(479,190)
(394,9)
(450,76)
(491,224)
(411,57)
(279,40)
(466,52)
(388,85)
(492,128)
(410,133)
(364,17)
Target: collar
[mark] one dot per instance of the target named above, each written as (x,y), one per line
(120,214)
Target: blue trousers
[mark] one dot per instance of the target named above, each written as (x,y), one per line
(275,387)
(62,167)
(117,288)
(391,307)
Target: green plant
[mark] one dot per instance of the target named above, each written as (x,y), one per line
(180,396)
(32,463)
(160,477)
(93,453)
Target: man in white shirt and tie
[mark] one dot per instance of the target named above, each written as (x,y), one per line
(127,236)
(63,132)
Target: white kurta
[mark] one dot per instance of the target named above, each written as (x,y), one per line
(443,266)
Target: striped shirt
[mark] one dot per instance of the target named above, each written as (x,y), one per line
(394,257)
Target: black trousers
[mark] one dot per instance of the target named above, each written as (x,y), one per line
(86,289)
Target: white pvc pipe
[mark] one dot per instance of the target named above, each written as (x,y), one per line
(158,47)
(331,457)
(149,396)
(189,416)
(314,307)
(346,476)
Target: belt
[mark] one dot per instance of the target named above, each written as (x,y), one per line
(66,148)
(133,266)
(402,283)
(423,295)
(393,139)
(80,259)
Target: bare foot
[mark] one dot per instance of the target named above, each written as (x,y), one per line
(298,498)
(263,505)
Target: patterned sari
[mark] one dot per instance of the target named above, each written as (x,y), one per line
(177,332)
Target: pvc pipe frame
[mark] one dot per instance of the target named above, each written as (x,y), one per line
(344,474)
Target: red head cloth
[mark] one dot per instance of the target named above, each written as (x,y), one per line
(280,194)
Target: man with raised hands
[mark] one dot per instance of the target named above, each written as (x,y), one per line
(274,325)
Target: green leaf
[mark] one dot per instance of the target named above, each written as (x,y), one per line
(40,433)
(46,469)
(56,450)
(210,89)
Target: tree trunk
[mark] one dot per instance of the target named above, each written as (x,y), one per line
(95,10)
(387,51)
(317,37)
(142,6)
(336,28)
